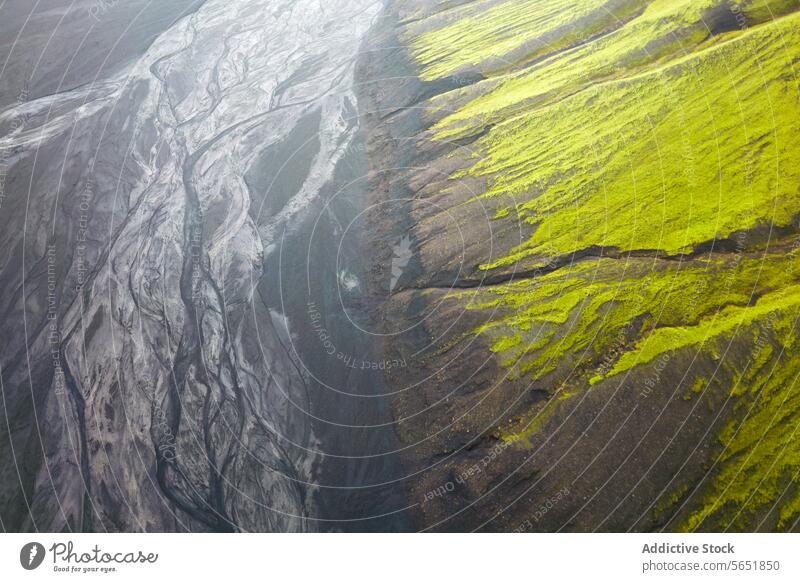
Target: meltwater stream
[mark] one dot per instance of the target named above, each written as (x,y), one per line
(188,353)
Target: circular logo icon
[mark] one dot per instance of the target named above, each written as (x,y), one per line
(31,555)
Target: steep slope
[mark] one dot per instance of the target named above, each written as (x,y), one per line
(603,202)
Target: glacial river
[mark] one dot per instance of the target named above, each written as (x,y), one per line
(190,339)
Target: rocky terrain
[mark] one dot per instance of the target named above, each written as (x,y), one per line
(602,205)
(439,265)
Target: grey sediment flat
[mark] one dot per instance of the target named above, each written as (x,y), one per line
(172,205)
(57,45)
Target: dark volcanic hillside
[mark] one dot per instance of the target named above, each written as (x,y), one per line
(601,294)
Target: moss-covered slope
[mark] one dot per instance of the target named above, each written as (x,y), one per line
(637,164)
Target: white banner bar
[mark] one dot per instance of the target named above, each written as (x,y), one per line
(400,557)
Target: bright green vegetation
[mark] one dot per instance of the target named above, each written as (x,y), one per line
(675,124)
(693,152)
(476,36)
(667,29)
(760,461)
(726,321)
(657,155)
(634,311)
(577,326)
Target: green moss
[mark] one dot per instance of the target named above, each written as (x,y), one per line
(506,343)
(727,321)
(656,136)
(760,459)
(666,503)
(789,512)
(491,37)
(521,436)
(625,165)
(610,315)
(667,29)
(761,447)
(609,145)
(697,387)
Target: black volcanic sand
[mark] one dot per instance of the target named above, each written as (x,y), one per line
(56,45)
(207,196)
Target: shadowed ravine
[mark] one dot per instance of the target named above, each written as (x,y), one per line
(178,234)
